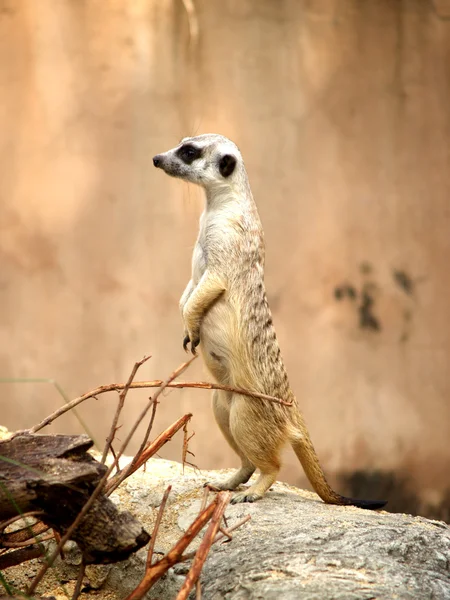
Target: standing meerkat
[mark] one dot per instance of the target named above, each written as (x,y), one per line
(225,310)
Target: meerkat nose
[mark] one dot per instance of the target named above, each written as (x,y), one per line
(157,160)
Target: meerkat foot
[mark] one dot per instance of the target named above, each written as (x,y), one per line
(245,496)
(257,490)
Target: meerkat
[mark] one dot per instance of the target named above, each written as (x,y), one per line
(224,309)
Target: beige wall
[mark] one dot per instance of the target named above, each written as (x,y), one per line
(342,112)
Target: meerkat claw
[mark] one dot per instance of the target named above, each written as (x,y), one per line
(185,343)
(194,345)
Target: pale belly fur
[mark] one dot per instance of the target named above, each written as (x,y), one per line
(220,340)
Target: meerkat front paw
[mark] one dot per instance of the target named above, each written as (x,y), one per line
(194,341)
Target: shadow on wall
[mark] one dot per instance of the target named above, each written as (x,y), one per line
(398,489)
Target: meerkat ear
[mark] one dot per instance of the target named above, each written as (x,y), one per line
(226,165)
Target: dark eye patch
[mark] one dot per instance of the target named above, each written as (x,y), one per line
(188,153)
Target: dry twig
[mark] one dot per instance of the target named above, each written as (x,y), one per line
(11,559)
(79,583)
(219,537)
(186,439)
(194,573)
(120,404)
(28,542)
(214,512)
(157,570)
(31,513)
(115,387)
(22,536)
(148,452)
(149,429)
(99,489)
(156,526)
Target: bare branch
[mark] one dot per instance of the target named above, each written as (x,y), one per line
(148,452)
(17,557)
(157,570)
(79,583)
(31,513)
(99,489)
(115,387)
(219,537)
(208,539)
(186,451)
(156,526)
(9,540)
(120,404)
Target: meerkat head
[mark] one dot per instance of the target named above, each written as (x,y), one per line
(210,160)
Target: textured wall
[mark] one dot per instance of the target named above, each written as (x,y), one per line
(341,110)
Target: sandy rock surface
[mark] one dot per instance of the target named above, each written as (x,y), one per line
(293,545)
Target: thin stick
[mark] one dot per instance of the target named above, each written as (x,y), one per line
(198,587)
(99,488)
(115,458)
(156,526)
(204,499)
(219,537)
(31,513)
(79,583)
(149,430)
(24,534)
(17,557)
(185,450)
(120,404)
(147,453)
(58,540)
(226,533)
(28,542)
(115,387)
(194,572)
(156,571)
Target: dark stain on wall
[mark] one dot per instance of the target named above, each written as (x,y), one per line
(365,303)
(364,296)
(367,317)
(404,281)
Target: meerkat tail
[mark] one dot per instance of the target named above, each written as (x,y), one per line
(304,449)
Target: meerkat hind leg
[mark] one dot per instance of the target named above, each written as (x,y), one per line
(221,406)
(262,450)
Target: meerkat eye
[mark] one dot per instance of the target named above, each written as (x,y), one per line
(188,153)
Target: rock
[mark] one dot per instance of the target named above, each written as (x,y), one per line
(293,546)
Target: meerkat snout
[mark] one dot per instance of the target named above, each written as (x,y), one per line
(157,160)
